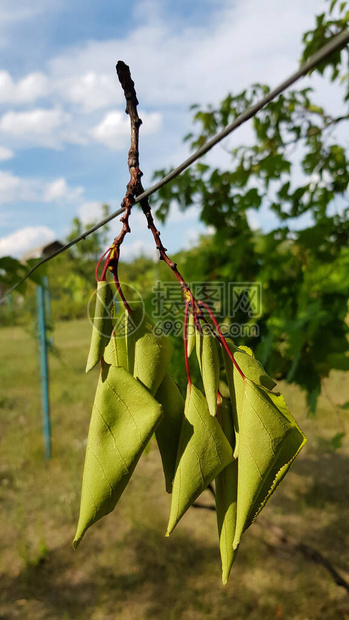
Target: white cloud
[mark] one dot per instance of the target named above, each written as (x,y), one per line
(25,239)
(243,42)
(90,211)
(15,189)
(10,187)
(38,126)
(19,10)
(90,91)
(255,40)
(5,153)
(59,190)
(30,88)
(114,129)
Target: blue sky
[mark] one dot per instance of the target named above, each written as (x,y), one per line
(63,132)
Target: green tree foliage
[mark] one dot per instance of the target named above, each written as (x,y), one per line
(89,249)
(297,167)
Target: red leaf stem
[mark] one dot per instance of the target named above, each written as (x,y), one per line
(222,338)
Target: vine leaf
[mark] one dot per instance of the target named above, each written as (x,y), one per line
(203,452)
(124,417)
(102,324)
(270,440)
(168,431)
(208,358)
(226,495)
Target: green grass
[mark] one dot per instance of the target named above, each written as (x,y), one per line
(125,568)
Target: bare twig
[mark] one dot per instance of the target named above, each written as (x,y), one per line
(306,550)
(204,506)
(132,188)
(127,84)
(211,489)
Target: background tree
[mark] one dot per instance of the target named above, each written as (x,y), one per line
(297,167)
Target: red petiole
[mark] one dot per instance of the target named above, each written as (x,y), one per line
(185,337)
(222,338)
(104,268)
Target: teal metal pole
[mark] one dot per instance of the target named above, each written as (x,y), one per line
(48,313)
(44,367)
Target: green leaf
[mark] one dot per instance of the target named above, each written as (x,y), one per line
(252,369)
(336,441)
(169,429)
(247,350)
(124,417)
(226,495)
(339,361)
(269,441)
(332,5)
(102,324)
(208,358)
(120,350)
(191,337)
(135,347)
(203,452)
(152,353)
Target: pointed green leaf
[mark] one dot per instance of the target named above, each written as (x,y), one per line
(242,347)
(168,431)
(234,380)
(203,452)
(120,350)
(152,353)
(250,366)
(208,358)
(226,495)
(136,347)
(112,353)
(102,324)
(191,335)
(270,440)
(124,417)
(253,370)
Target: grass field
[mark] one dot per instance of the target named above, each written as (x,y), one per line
(125,568)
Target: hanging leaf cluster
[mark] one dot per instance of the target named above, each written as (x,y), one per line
(244,442)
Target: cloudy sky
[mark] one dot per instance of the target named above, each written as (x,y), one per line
(63,132)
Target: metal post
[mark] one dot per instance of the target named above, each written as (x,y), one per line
(48,312)
(44,367)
